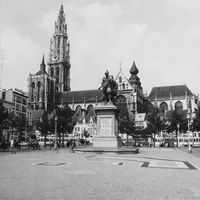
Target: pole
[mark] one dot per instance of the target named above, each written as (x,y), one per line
(178,126)
(55,144)
(189,144)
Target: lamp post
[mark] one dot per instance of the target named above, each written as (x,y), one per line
(55,144)
(177,138)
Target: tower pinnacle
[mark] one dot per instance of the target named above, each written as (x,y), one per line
(42,65)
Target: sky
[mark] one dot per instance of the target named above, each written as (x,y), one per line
(161,36)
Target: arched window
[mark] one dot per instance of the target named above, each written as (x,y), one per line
(32,91)
(150,108)
(57,75)
(78,108)
(90,107)
(39,88)
(52,72)
(123,86)
(57,71)
(178,106)
(163,107)
(120,79)
(127,86)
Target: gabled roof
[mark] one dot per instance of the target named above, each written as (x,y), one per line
(81,96)
(167,92)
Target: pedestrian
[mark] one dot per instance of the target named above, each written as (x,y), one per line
(12,145)
(72,146)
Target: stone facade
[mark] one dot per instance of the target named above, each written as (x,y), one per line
(41,89)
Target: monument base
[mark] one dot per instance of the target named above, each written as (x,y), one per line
(107,141)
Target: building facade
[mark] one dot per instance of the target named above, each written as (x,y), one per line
(41,89)
(16,103)
(170,98)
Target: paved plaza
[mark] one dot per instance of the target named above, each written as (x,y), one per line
(152,174)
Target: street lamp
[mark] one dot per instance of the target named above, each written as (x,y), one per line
(177,138)
(55,144)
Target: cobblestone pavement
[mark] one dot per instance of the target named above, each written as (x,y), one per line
(50,175)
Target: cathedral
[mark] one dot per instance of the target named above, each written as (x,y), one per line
(50,87)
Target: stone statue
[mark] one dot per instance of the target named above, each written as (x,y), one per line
(109,88)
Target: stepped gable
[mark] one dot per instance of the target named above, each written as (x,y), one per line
(81,96)
(165,92)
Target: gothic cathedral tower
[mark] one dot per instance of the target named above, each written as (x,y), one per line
(59,58)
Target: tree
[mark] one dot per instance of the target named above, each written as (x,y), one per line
(178,117)
(126,126)
(157,122)
(3,118)
(196,121)
(21,124)
(44,125)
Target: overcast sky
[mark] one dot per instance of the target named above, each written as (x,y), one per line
(161,36)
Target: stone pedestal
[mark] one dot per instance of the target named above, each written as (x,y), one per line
(107,127)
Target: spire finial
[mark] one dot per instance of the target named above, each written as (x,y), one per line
(120,66)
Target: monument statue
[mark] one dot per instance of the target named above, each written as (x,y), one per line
(110,87)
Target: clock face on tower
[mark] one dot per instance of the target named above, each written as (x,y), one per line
(55,55)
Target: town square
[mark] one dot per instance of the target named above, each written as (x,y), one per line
(99,99)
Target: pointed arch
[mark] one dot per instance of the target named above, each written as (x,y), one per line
(163,107)
(178,106)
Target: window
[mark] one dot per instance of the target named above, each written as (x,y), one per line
(52,72)
(32,91)
(18,99)
(24,101)
(178,106)
(120,79)
(57,71)
(39,87)
(163,107)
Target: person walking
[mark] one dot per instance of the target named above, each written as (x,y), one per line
(72,146)
(12,145)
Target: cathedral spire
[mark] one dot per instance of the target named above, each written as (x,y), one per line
(59,58)
(61,13)
(42,65)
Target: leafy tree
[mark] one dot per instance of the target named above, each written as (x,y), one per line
(3,118)
(21,124)
(157,122)
(178,117)
(196,122)
(126,126)
(44,126)
(64,115)
(11,123)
